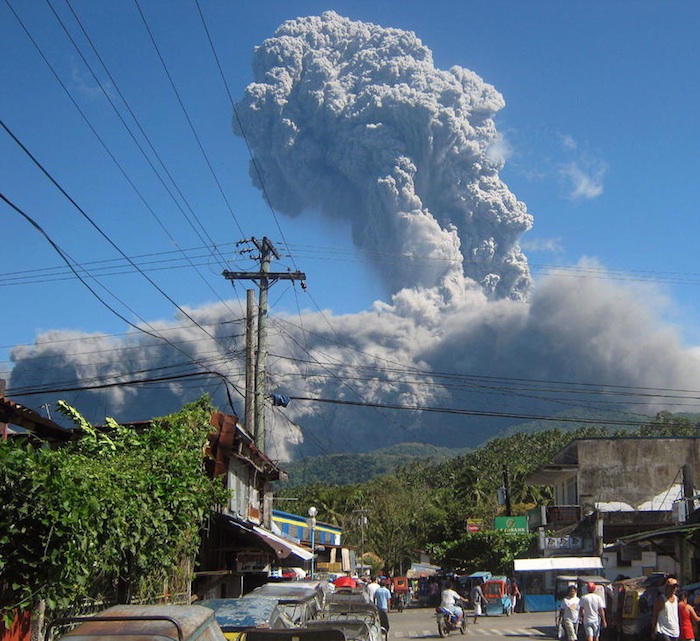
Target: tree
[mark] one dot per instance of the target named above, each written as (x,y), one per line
(669,425)
(398,516)
(491,550)
(111,515)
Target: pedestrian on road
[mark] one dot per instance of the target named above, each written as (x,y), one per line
(372,587)
(687,617)
(477,596)
(568,614)
(592,610)
(514,592)
(665,623)
(382,598)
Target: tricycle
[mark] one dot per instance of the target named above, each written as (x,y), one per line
(497,596)
(400,593)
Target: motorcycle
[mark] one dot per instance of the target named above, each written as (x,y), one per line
(447,622)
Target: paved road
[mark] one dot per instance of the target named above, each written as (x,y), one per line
(418,623)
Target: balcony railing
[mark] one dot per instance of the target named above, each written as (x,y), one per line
(556,515)
(563,514)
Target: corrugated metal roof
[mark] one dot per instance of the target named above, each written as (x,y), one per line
(16,414)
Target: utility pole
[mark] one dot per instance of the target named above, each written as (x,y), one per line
(506,486)
(5,426)
(249,359)
(265,278)
(362,522)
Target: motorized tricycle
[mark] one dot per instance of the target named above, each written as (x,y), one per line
(447,622)
(497,596)
(400,593)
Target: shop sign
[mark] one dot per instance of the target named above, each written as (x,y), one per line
(474,525)
(252,563)
(511,524)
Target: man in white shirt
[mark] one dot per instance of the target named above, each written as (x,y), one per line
(449,601)
(665,621)
(568,614)
(592,609)
(372,587)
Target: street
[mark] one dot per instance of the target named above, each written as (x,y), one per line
(417,623)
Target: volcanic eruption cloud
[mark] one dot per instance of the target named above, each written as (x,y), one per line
(354,121)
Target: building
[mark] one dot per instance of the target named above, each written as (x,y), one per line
(19,421)
(239,549)
(611,494)
(325,540)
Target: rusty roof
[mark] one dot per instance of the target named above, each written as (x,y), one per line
(21,416)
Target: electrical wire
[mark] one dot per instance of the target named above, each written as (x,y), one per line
(68,261)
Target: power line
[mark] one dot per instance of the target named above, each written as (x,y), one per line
(141,381)
(468,412)
(187,116)
(68,261)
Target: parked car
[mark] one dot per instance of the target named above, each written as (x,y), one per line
(273,605)
(238,615)
(346,612)
(139,622)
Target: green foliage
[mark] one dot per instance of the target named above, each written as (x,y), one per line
(112,514)
(669,425)
(425,505)
(489,550)
(350,469)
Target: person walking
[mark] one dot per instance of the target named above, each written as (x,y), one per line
(382,599)
(515,595)
(569,613)
(665,619)
(592,611)
(477,597)
(687,618)
(372,587)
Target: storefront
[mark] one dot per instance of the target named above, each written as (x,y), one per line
(536,577)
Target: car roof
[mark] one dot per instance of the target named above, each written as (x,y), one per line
(144,623)
(241,613)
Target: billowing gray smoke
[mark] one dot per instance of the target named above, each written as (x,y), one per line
(354,121)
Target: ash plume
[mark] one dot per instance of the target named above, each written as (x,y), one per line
(354,121)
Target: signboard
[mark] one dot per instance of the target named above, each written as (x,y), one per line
(511,524)
(563,543)
(474,525)
(253,563)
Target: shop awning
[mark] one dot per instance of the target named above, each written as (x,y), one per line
(558,563)
(282,547)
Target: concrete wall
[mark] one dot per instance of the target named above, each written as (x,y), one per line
(633,471)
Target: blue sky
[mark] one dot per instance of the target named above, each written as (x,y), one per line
(600,132)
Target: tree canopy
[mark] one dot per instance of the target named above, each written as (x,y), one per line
(425,506)
(111,515)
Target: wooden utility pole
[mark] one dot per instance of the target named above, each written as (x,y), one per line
(5,426)
(265,278)
(250,359)
(506,489)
